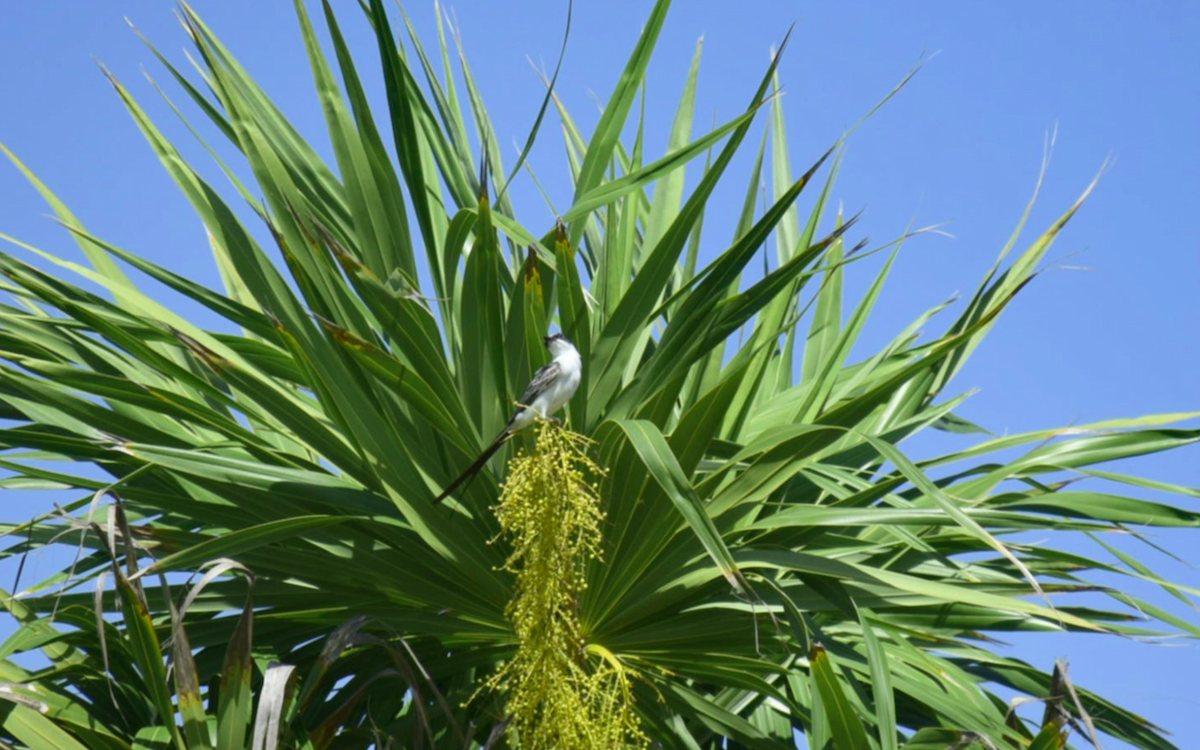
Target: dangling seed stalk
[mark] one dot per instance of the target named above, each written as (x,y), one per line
(562,693)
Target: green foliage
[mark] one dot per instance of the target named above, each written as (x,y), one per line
(771,562)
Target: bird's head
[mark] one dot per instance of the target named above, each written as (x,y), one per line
(558,343)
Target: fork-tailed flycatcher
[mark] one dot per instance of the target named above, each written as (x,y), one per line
(550,390)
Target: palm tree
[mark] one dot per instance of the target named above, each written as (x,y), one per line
(261,564)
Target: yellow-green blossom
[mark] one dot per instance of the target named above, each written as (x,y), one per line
(561,695)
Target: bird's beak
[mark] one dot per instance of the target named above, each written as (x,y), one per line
(546,340)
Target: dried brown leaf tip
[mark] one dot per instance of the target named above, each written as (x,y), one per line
(531,265)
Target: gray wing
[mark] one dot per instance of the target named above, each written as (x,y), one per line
(541,380)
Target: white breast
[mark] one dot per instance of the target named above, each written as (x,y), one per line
(560,392)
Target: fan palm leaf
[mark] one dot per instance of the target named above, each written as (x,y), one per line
(772,562)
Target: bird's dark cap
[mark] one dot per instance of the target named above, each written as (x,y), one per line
(556,337)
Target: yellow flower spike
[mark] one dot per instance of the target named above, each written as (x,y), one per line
(558,700)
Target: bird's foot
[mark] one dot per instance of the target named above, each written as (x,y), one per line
(555,421)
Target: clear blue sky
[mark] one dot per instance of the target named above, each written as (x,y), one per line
(961,144)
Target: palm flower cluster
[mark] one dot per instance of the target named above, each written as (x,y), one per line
(558,696)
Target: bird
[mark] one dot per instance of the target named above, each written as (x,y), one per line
(552,387)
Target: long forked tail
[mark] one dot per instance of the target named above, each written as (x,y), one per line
(474,469)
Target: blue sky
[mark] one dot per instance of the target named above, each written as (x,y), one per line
(961,144)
